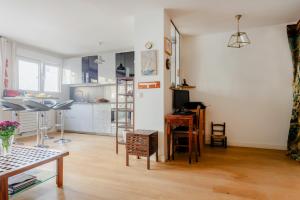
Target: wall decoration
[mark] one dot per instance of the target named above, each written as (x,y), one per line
(149,62)
(168,46)
(149,45)
(149,85)
(168,63)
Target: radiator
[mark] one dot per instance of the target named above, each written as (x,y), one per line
(27,121)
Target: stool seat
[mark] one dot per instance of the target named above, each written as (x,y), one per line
(63,105)
(33,106)
(8,106)
(15,109)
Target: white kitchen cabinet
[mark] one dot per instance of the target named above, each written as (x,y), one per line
(102,118)
(72,71)
(107,69)
(79,118)
(89,118)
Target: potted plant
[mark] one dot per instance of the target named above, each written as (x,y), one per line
(7,132)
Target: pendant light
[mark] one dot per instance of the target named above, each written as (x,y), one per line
(238,39)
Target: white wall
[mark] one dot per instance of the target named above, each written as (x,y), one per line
(249,88)
(152,104)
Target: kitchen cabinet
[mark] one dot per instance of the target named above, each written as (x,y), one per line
(79,118)
(102,118)
(72,72)
(125,64)
(106,69)
(89,118)
(89,69)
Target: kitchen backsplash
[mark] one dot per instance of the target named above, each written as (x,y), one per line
(92,94)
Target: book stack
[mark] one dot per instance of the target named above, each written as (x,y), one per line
(20,182)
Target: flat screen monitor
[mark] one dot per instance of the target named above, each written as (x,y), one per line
(180,97)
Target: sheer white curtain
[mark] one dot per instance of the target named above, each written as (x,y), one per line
(6,63)
(2,61)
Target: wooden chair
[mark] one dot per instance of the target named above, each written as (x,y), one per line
(182,132)
(218,134)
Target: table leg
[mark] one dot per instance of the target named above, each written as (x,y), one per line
(4,188)
(196,147)
(60,173)
(127,157)
(173,149)
(168,139)
(190,140)
(204,129)
(148,162)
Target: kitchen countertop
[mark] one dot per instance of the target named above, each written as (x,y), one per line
(21,98)
(76,102)
(99,102)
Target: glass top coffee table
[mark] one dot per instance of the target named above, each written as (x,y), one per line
(23,159)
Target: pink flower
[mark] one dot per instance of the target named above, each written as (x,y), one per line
(9,124)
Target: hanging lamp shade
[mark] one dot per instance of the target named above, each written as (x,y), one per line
(238,39)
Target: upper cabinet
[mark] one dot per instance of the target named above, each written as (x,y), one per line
(72,71)
(106,68)
(125,64)
(101,69)
(90,69)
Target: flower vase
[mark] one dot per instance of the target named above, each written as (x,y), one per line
(6,144)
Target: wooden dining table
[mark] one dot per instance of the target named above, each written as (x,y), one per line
(173,120)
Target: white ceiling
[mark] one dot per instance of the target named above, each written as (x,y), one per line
(74,27)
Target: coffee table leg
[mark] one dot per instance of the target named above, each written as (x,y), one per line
(60,173)
(4,188)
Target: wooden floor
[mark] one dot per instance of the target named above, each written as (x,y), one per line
(94,172)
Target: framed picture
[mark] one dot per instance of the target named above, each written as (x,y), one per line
(149,62)
(168,46)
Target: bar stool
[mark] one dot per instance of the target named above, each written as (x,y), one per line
(40,109)
(15,109)
(61,107)
(49,103)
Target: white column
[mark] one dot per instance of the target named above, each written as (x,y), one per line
(151,105)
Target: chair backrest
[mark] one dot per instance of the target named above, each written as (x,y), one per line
(218,129)
(197,111)
(8,106)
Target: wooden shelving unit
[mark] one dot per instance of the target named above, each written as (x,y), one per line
(182,87)
(124,106)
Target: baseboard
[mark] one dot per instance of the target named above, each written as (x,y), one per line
(254,145)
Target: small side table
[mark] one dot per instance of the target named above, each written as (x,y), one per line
(142,143)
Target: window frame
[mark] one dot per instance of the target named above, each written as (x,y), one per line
(36,61)
(176,54)
(41,75)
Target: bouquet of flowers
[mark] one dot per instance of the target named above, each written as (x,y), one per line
(7,130)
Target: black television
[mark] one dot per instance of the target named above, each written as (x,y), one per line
(180,98)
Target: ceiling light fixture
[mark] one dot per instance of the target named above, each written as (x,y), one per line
(99,60)
(238,39)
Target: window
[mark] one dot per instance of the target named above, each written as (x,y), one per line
(28,77)
(51,82)
(37,76)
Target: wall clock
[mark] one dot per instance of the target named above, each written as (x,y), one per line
(148,45)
